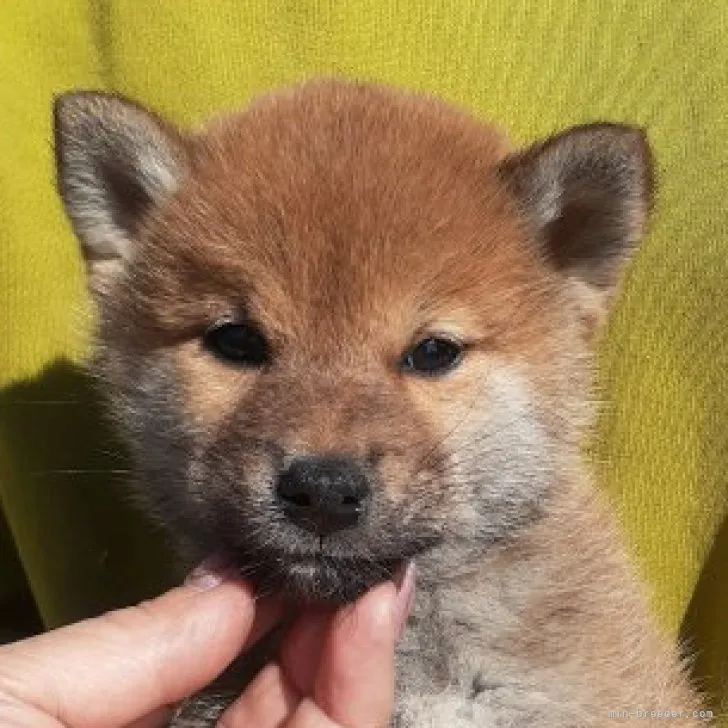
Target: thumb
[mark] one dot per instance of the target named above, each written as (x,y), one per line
(109,671)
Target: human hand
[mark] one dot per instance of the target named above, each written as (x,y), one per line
(335,668)
(127,667)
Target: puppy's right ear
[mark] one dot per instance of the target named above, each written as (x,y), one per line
(115,162)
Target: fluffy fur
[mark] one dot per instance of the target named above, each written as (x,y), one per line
(348,222)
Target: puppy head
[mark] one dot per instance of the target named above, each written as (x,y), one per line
(346,326)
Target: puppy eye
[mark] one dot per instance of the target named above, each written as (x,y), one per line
(432,356)
(240,343)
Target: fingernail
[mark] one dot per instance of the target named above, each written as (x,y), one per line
(405,583)
(212,572)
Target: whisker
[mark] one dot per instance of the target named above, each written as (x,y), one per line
(81,471)
(425,459)
(111,454)
(44,402)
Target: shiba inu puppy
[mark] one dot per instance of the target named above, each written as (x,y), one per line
(348,329)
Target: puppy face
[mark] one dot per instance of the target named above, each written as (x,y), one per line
(346,326)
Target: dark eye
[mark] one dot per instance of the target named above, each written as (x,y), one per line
(432,356)
(241,343)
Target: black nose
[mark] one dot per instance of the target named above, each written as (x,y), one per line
(324,494)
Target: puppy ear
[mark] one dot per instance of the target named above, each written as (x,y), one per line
(115,162)
(588,193)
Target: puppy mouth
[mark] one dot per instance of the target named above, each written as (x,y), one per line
(310,569)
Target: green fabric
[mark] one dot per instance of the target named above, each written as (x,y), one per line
(662,442)
(82,548)
(18,613)
(13,581)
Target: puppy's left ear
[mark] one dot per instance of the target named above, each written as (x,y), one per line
(587,192)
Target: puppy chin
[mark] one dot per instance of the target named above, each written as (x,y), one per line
(316,579)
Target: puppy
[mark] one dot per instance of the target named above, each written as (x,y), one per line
(348,329)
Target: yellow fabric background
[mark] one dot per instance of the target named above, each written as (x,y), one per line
(534,67)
